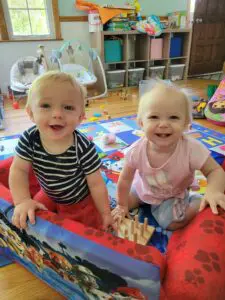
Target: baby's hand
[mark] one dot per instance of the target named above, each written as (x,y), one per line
(213,200)
(24,210)
(108,222)
(119,212)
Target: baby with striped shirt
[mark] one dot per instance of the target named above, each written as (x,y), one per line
(64,161)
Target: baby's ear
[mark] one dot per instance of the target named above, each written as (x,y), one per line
(30,113)
(82,117)
(140,123)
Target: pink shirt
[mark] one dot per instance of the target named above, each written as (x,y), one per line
(154,185)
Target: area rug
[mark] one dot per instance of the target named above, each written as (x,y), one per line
(127,131)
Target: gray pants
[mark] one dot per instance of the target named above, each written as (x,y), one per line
(171,210)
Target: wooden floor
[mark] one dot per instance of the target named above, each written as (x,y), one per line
(16,282)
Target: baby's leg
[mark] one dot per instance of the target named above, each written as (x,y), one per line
(190,213)
(174,213)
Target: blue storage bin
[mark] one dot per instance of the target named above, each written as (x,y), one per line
(176,47)
(113,50)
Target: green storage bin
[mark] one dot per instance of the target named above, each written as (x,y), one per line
(113,50)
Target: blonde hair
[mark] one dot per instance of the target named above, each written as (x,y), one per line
(167,87)
(52,77)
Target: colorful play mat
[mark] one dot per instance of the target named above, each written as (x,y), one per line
(127,131)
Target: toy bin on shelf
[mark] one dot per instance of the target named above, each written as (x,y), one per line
(176,46)
(156,47)
(134,76)
(113,51)
(115,78)
(156,72)
(176,72)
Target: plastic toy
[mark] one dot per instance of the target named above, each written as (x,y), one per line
(137,6)
(215,109)
(198,108)
(90,138)
(151,26)
(93,119)
(109,138)
(15,105)
(97,115)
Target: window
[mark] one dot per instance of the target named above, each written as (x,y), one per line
(30,19)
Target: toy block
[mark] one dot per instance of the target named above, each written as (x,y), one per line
(135,231)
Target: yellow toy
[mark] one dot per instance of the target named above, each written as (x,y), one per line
(137,6)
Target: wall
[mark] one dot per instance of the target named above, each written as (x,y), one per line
(157,7)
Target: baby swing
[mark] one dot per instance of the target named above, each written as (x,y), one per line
(25,70)
(66,58)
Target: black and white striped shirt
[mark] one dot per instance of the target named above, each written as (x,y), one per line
(62,176)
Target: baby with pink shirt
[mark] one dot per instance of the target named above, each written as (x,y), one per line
(159,168)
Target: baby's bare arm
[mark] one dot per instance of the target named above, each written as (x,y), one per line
(215,176)
(18,180)
(98,192)
(214,195)
(25,207)
(124,184)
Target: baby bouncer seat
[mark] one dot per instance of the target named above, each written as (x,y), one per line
(84,64)
(23,73)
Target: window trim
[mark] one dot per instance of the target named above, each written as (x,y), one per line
(53,19)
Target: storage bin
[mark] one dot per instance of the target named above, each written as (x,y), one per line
(176,72)
(156,48)
(113,50)
(156,72)
(176,46)
(115,78)
(134,76)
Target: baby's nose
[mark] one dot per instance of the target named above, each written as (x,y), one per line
(57,113)
(163,123)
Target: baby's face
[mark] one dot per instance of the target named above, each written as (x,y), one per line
(164,118)
(57,110)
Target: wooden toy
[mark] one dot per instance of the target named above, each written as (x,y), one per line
(135,231)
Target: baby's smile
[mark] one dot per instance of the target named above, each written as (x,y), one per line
(56,127)
(163,135)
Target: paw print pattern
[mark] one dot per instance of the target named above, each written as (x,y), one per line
(194,277)
(140,252)
(210,260)
(181,245)
(222,213)
(211,226)
(115,241)
(136,251)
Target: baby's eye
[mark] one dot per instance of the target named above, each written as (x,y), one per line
(174,118)
(153,117)
(44,105)
(69,107)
